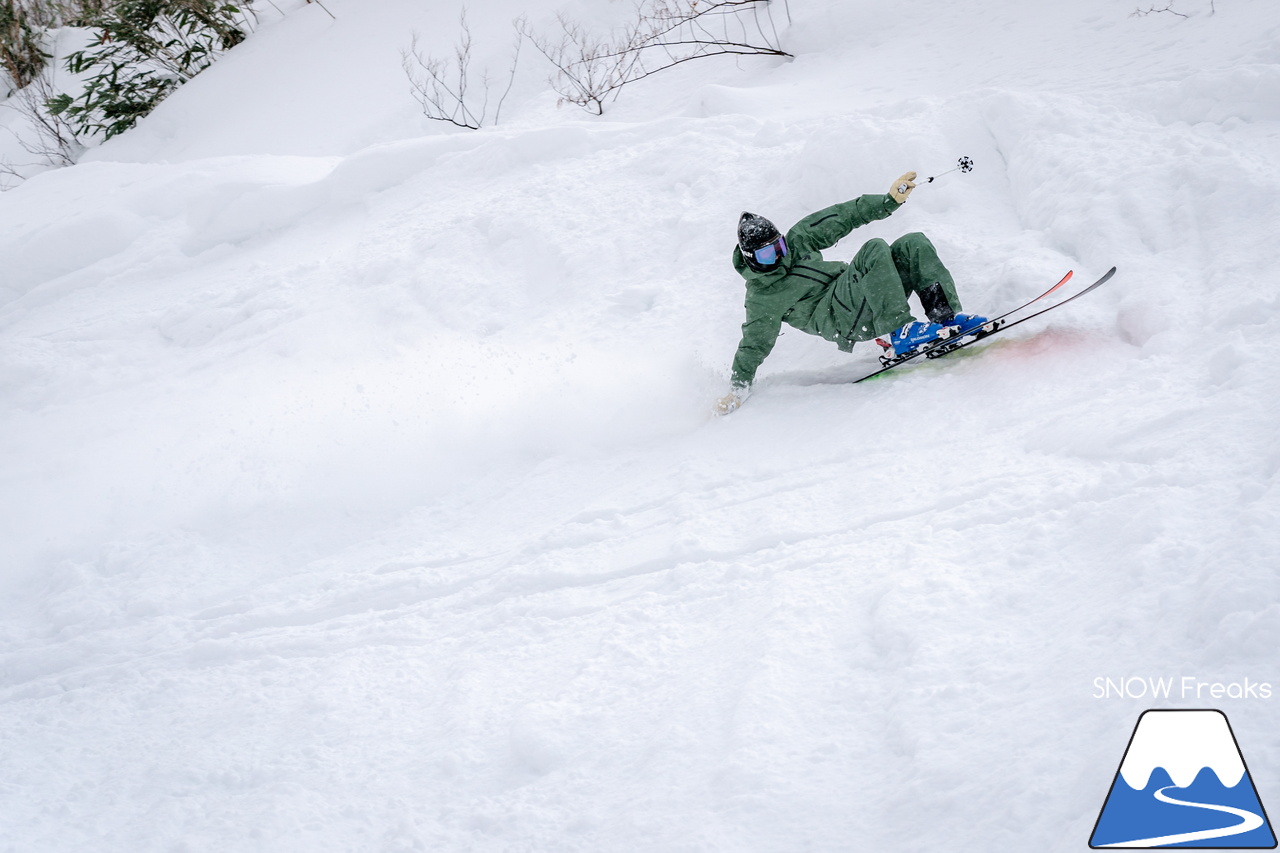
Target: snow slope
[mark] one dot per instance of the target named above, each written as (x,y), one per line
(360,490)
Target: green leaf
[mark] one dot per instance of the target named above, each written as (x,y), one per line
(58,105)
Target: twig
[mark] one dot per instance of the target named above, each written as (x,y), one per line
(55,142)
(591,69)
(446,96)
(322,6)
(1139,13)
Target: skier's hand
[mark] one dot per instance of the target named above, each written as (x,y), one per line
(731,401)
(902,187)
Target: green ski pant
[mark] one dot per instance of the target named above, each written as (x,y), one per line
(881,278)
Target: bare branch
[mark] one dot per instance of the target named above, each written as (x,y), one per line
(322,6)
(52,141)
(445,92)
(591,68)
(1139,13)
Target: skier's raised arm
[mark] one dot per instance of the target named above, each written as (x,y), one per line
(829,226)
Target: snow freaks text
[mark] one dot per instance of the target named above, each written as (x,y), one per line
(1180,687)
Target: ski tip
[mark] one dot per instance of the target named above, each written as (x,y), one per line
(1066,278)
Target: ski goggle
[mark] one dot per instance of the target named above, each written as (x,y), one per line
(768,255)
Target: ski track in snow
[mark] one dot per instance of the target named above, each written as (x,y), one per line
(360,491)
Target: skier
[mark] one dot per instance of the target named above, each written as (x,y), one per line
(789,282)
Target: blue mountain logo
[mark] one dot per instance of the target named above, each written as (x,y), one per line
(1183,783)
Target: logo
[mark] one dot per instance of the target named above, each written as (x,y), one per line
(1183,783)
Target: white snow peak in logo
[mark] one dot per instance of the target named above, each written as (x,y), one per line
(1183,783)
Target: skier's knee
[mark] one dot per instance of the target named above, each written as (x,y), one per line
(876,248)
(913,240)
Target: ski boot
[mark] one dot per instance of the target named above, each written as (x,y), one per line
(968,324)
(916,335)
(962,329)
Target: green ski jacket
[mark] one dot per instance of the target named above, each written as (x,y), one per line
(806,292)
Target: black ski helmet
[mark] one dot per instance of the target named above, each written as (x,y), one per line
(754,232)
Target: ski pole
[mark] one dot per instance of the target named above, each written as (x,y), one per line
(965,164)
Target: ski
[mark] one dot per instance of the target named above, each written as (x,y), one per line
(991,326)
(949,347)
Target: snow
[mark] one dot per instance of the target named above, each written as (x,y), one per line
(360,490)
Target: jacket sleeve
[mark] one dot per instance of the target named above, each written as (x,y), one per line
(829,226)
(759,334)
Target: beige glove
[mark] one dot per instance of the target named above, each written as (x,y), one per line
(732,401)
(902,187)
